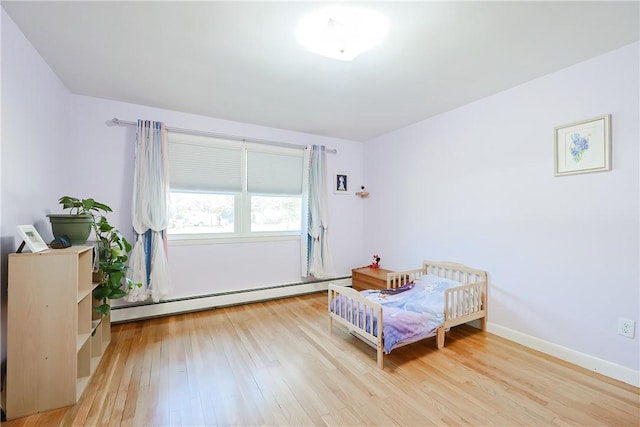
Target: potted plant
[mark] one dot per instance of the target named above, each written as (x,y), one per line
(111,252)
(78,223)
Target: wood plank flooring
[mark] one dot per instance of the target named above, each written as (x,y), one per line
(275,363)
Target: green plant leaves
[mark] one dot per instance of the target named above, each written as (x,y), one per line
(83,206)
(103,309)
(117,293)
(101,292)
(113,251)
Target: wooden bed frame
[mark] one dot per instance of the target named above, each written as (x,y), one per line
(462,304)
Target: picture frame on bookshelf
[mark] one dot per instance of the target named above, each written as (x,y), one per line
(32,238)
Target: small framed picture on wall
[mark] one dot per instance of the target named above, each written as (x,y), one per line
(341,183)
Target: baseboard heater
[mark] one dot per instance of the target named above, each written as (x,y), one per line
(146,310)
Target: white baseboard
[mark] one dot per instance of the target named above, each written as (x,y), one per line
(609,369)
(144,311)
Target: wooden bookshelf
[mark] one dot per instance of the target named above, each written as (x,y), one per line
(55,339)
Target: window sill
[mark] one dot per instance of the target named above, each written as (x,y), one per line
(185,240)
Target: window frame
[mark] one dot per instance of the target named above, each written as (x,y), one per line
(242,199)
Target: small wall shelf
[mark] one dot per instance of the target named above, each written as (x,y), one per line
(363,194)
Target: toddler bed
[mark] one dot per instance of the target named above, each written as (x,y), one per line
(417,304)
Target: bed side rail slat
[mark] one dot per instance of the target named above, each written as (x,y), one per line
(353,310)
(465,303)
(454,271)
(398,278)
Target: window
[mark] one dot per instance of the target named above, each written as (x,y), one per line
(222,188)
(273,213)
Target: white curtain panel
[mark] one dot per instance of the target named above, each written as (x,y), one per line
(148,262)
(317,256)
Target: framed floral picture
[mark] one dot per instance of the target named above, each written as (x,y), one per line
(583,147)
(31,237)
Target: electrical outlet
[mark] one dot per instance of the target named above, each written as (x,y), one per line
(626,327)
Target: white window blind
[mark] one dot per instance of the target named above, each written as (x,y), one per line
(203,167)
(203,164)
(274,173)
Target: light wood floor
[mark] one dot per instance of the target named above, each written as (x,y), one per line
(275,363)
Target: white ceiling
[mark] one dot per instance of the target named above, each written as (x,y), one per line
(241,61)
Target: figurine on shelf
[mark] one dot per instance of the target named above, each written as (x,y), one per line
(376,262)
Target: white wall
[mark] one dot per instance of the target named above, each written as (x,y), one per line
(213,268)
(476,185)
(35,124)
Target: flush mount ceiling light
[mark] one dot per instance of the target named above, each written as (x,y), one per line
(342,32)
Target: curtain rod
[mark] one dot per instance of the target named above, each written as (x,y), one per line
(222,136)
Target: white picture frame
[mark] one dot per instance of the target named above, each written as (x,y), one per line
(583,147)
(341,184)
(32,238)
